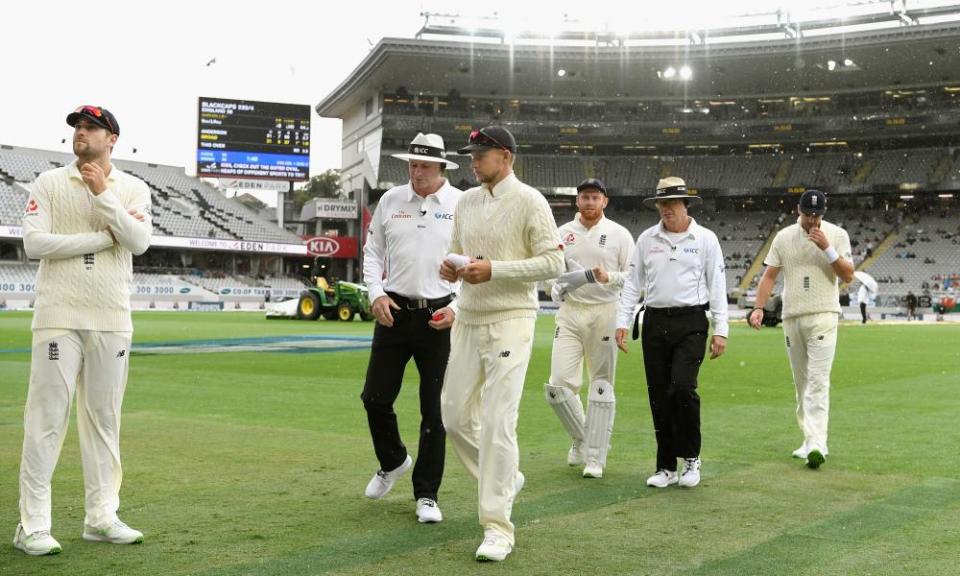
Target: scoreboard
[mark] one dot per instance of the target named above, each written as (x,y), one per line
(248,139)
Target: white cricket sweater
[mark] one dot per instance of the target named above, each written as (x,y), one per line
(512,226)
(85,276)
(810,285)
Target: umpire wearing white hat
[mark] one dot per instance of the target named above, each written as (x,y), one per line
(678,265)
(407,241)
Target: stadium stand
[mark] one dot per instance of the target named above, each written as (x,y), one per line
(12,202)
(926,249)
(742,173)
(17,273)
(183,206)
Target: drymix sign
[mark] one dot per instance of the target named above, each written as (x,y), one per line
(332,247)
(336,209)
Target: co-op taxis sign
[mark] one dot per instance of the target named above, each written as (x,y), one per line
(332,247)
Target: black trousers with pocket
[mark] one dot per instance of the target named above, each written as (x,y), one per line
(392,348)
(674,344)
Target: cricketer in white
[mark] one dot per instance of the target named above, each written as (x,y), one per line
(84,222)
(598,253)
(508,231)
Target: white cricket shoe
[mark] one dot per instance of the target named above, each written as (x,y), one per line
(382,482)
(40,543)
(690,476)
(662,479)
(428,512)
(518,483)
(115,532)
(495,548)
(575,455)
(593,469)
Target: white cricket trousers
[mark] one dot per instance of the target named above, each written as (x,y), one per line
(94,364)
(584,331)
(811,342)
(480,403)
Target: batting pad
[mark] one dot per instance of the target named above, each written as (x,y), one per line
(568,407)
(601,409)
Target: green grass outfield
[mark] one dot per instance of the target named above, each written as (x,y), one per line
(255,463)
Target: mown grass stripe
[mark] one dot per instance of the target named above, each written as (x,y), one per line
(812,549)
(376,544)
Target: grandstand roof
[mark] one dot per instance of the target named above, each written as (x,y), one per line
(910,56)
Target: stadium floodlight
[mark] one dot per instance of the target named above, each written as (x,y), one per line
(831,65)
(669,73)
(847,62)
(685,72)
(561,72)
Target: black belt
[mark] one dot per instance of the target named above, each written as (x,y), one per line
(420,303)
(678,310)
(675,311)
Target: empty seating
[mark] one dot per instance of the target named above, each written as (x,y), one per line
(183,206)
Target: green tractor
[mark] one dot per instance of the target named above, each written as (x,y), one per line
(342,301)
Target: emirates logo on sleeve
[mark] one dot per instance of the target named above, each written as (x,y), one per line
(32,207)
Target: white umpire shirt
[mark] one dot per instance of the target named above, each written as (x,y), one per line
(407,241)
(685,271)
(606,244)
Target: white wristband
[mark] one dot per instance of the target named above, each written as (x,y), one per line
(832,255)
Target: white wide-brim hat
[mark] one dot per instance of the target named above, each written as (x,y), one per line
(671,187)
(427,148)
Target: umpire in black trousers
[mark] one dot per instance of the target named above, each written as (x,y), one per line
(678,267)
(407,241)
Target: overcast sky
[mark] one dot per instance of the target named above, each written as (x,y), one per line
(148,61)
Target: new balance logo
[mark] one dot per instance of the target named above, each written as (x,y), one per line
(504,354)
(556,333)
(603,240)
(121,353)
(88,260)
(53,351)
(605,339)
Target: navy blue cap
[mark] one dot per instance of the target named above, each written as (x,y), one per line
(813,202)
(96,114)
(592,184)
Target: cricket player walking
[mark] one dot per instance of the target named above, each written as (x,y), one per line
(812,254)
(598,250)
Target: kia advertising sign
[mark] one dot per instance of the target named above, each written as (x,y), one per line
(332,246)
